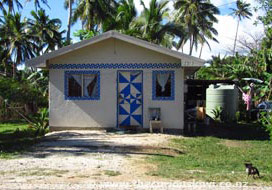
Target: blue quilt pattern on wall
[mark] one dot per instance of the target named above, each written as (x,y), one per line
(130,98)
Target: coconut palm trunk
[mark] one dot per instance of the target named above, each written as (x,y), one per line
(68,38)
(14,69)
(5,68)
(191,45)
(201,50)
(235,40)
(242,11)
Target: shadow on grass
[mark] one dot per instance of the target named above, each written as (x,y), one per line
(230,131)
(15,139)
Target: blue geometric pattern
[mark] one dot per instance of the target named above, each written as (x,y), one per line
(130,98)
(172,75)
(66,76)
(117,66)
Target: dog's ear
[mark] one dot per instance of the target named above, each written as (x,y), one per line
(248,164)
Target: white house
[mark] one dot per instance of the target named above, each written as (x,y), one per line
(112,81)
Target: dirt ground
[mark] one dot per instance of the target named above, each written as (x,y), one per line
(93,160)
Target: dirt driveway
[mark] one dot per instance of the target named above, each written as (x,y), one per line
(79,157)
(91,160)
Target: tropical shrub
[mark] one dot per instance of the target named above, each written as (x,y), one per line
(238,116)
(15,91)
(29,92)
(40,121)
(266,121)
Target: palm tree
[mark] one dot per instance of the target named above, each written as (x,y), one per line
(122,18)
(38,4)
(126,14)
(16,38)
(151,25)
(45,31)
(10,4)
(93,12)
(151,19)
(242,11)
(68,5)
(207,32)
(5,62)
(197,17)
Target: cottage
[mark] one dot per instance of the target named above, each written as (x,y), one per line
(113,80)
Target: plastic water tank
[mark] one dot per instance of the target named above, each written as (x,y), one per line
(224,96)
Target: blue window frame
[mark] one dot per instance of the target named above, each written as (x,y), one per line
(163,85)
(82,85)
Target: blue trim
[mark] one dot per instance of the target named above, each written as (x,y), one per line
(117,66)
(172,75)
(117,92)
(142,99)
(81,98)
(117,99)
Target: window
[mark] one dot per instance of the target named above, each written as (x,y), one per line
(82,85)
(163,87)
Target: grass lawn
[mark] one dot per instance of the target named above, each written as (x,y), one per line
(216,160)
(15,137)
(9,128)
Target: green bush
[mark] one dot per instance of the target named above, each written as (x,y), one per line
(266,121)
(23,92)
(238,116)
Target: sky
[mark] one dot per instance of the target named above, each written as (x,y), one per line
(226,25)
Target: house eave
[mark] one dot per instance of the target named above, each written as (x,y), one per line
(36,64)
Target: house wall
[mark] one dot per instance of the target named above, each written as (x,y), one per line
(103,112)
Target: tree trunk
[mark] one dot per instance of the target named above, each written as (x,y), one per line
(68,38)
(191,46)
(14,70)
(201,50)
(182,45)
(236,36)
(5,68)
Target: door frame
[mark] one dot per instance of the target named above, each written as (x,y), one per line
(117,97)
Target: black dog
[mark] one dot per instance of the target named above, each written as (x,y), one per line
(252,170)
